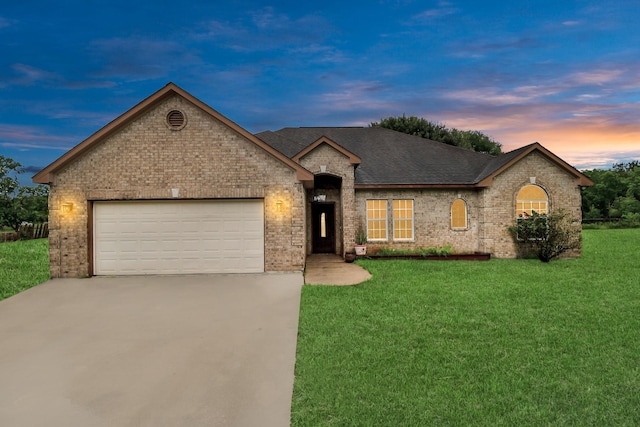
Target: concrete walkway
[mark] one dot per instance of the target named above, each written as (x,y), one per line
(200,350)
(330,269)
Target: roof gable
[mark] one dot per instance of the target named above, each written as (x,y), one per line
(501,163)
(355,160)
(47,175)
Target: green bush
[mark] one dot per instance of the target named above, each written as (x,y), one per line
(546,236)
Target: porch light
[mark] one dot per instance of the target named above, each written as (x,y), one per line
(67,207)
(279,205)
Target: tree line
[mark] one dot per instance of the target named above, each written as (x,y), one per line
(615,194)
(469,139)
(20,203)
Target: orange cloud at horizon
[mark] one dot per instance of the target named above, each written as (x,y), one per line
(583,145)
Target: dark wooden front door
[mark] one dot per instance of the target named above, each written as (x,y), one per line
(323,227)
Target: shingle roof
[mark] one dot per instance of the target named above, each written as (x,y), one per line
(497,162)
(390,157)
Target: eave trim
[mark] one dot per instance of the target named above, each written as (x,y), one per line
(47,175)
(583,180)
(353,158)
(414,186)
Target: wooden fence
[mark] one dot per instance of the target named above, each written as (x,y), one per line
(599,220)
(26,231)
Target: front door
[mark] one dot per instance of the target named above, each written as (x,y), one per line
(323,227)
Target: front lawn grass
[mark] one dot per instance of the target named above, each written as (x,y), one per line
(23,264)
(504,342)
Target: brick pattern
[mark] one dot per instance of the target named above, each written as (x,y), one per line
(491,211)
(205,160)
(499,200)
(145,159)
(336,164)
(431,218)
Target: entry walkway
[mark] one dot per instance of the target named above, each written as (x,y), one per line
(330,269)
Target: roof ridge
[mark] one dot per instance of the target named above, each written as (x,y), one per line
(328,127)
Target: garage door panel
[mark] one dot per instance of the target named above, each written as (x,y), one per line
(178,237)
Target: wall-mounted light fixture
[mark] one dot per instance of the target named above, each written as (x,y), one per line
(279,205)
(67,207)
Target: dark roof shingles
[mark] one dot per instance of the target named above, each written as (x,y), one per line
(498,162)
(390,157)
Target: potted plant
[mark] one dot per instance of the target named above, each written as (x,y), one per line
(361,242)
(349,257)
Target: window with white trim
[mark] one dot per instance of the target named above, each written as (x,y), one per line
(376,219)
(403,219)
(531,198)
(459,214)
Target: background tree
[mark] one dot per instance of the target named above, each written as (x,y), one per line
(20,203)
(615,194)
(469,139)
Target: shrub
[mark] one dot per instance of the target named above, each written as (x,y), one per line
(424,252)
(546,235)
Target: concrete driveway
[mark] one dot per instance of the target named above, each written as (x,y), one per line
(211,350)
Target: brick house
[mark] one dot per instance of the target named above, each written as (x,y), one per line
(174,187)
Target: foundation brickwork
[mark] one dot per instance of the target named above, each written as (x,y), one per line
(146,159)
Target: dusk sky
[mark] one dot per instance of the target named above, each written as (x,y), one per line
(563,73)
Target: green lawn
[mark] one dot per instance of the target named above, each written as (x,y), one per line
(504,342)
(23,264)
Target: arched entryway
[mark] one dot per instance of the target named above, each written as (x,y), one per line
(326,217)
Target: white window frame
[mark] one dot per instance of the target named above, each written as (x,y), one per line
(412,219)
(386,220)
(521,203)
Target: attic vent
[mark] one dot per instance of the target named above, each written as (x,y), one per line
(176,119)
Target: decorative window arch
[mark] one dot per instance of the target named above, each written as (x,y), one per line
(531,198)
(459,215)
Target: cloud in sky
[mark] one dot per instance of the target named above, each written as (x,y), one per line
(28,137)
(266,30)
(138,58)
(442,9)
(28,75)
(565,75)
(362,96)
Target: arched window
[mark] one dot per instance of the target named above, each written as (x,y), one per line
(531,198)
(459,214)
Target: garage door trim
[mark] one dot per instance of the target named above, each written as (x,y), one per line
(186,236)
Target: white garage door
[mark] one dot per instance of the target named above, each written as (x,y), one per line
(178,237)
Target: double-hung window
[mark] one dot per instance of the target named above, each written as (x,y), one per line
(376,220)
(403,219)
